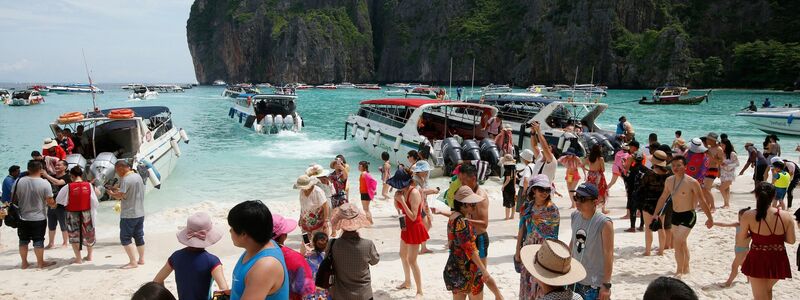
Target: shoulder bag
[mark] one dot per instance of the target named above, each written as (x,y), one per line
(12,217)
(325,273)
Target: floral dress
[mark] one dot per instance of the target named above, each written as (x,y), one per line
(538,225)
(314,259)
(461,275)
(339,182)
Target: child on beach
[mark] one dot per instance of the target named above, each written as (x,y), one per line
(781,181)
(385,169)
(741,248)
(194,266)
(367,187)
(315,253)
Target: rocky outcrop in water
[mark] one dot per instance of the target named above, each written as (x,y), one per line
(628,43)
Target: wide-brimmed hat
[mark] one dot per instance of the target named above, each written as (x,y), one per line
(540,180)
(399,180)
(464,194)
(696,146)
(304,182)
(507,127)
(659,158)
(551,263)
(526,154)
(507,160)
(316,170)
(421,166)
(713,135)
(49,143)
(281,225)
(348,217)
(200,231)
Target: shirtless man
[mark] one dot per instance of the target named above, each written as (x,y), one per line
(715,156)
(685,191)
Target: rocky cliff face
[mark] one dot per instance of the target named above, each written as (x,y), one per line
(628,43)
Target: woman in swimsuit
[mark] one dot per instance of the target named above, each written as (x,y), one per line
(597,168)
(770,229)
(572,163)
(740,249)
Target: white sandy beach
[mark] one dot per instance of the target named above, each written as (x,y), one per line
(712,253)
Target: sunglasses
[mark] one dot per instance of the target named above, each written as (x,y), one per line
(541,189)
(579,198)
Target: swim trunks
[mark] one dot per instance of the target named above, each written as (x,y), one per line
(482,242)
(712,173)
(780,193)
(684,218)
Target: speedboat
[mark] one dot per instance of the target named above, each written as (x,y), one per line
(778,120)
(299,86)
(583,90)
(43,90)
(131,86)
(267,113)
(143,93)
(219,82)
(446,132)
(398,92)
(75,88)
(264,85)
(327,86)
(167,88)
(234,91)
(143,136)
(5,96)
(496,88)
(368,86)
(345,85)
(25,98)
(426,92)
(565,124)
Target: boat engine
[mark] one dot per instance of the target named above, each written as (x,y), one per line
(279,122)
(470,150)
(451,152)
(595,138)
(491,154)
(102,169)
(76,160)
(288,122)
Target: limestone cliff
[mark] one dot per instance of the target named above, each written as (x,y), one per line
(628,43)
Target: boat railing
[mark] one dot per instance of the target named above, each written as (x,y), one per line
(389,115)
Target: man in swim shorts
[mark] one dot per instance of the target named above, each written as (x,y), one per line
(715,156)
(684,191)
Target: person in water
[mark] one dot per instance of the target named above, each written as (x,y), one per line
(260,272)
(684,191)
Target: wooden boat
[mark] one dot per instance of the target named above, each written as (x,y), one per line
(673,95)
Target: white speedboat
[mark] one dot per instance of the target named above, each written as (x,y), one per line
(345,85)
(448,131)
(219,82)
(264,85)
(565,124)
(144,136)
(368,86)
(143,93)
(583,90)
(131,86)
(75,88)
(25,98)
(267,113)
(778,120)
(167,88)
(327,86)
(496,88)
(234,91)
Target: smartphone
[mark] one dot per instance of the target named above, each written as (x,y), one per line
(402,219)
(305,238)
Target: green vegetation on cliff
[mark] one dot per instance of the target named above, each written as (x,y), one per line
(767,64)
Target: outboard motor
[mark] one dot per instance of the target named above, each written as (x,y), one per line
(470,150)
(288,122)
(76,160)
(595,138)
(279,122)
(491,154)
(102,169)
(451,152)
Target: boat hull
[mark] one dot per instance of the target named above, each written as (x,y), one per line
(779,123)
(247,117)
(160,153)
(685,101)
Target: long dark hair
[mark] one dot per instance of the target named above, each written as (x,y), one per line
(595,153)
(728,148)
(765,193)
(415,155)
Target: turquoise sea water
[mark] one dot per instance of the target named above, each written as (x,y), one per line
(225,162)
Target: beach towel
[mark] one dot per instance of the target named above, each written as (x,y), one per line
(372,185)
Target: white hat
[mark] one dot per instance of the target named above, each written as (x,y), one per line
(696,146)
(49,143)
(316,170)
(527,155)
(304,182)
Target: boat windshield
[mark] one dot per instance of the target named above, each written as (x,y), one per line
(392,115)
(22,94)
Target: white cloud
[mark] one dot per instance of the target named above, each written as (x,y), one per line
(16,66)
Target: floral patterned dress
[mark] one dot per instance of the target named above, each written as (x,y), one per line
(339,196)
(461,275)
(538,224)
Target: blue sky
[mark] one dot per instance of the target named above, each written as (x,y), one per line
(124,41)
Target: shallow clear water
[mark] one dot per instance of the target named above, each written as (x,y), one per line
(225,162)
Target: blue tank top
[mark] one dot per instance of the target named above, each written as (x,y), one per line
(241,269)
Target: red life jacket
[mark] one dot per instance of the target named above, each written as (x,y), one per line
(80,196)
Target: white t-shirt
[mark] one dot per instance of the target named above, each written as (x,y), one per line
(548,170)
(526,173)
(312,201)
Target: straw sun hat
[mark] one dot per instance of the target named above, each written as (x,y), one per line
(552,264)
(200,231)
(304,182)
(316,170)
(348,217)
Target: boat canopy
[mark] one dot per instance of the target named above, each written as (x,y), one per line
(144,112)
(409,102)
